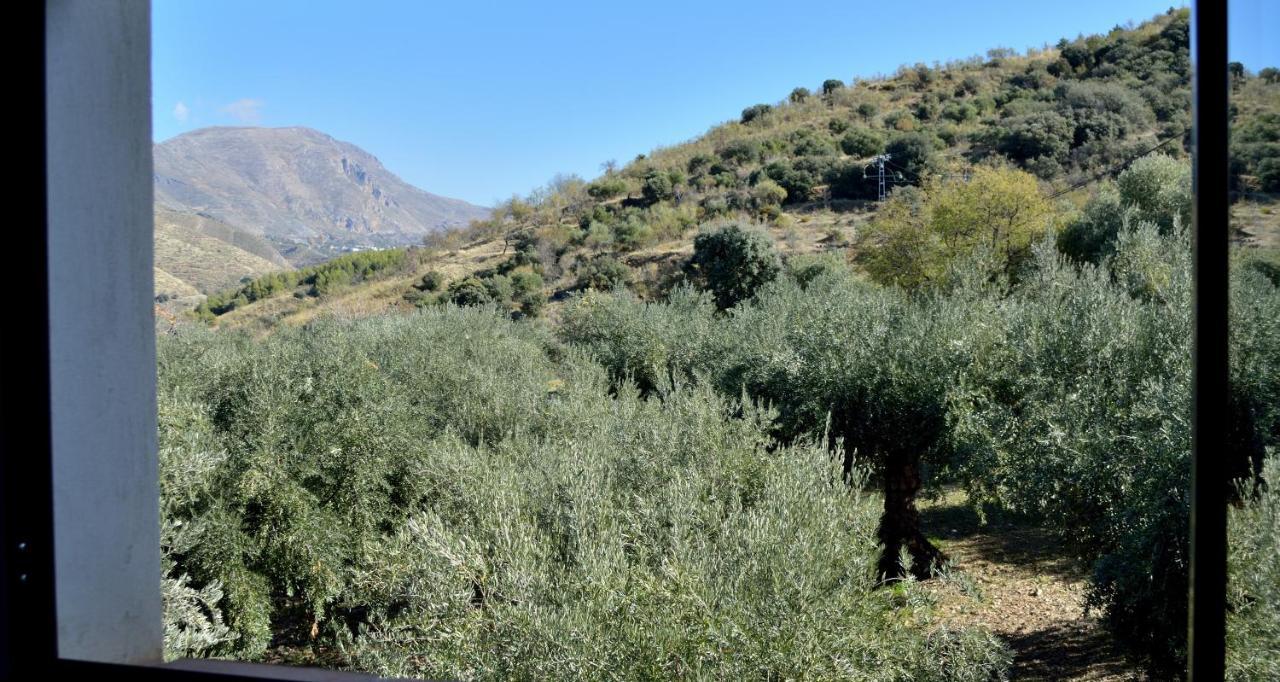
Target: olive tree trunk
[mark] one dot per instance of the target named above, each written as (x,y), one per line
(900,525)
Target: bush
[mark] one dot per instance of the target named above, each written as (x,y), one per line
(657,186)
(768,193)
(603,273)
(1044,134)
(469,291)
(807,142)
(1154,189)
(607,187)
(432,281)
(526,292)
(831,85)
(805,269)
(799,95)
(1253,594)
(732,262)
(861,143)
(740,152)
(913,154)
(754,112)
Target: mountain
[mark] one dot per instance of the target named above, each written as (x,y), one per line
(305,194)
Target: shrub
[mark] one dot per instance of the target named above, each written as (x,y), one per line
(732,262)
(831,85)
(657,186)
(603,273)
(807,142)
(805,269)
(526,292)
(432,281)
(861,143)
(1253,594)
(1044,134)
(469,291)
(913,154)
(1154,189)
(607,187)
(768,193)
(740,152)
(799,95)
(1159,187)
(754,112)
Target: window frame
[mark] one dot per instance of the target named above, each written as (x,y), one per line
(28,628)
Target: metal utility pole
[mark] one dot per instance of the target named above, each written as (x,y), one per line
(879,162)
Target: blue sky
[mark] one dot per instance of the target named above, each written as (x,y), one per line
(480,100)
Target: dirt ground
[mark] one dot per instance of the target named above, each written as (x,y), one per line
(1017,580)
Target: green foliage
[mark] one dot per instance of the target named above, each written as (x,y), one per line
(1159,188)
(1063,396)
(1154,189)
(732,262)
(527,293)
(1253,619)
(1255,146)
(469,291)
(831,85)
(740,152)
(916,236)
(754,112)
(607,187)
(806,268)
(657,186)
(808,142)
(434,280)
(1044,134)
(861,143)
(482,510)
(799,95)
(768,193)
(913,154)
(602,273)
(321,279)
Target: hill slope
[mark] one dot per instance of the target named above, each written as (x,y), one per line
(310,196)
(1072,115)
(196,254)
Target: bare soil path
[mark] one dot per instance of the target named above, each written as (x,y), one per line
(1018,581)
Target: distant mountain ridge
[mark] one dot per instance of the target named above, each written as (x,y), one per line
(306,194)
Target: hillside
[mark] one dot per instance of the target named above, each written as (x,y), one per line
(197,254)
(803,169)
(307,195)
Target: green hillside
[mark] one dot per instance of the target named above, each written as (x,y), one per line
(802,169)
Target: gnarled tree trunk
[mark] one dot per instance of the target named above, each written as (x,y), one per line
(900,525)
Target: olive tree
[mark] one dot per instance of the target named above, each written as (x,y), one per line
(732,262)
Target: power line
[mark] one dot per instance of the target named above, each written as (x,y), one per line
(1116,168)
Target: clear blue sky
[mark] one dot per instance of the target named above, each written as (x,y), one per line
(480,100)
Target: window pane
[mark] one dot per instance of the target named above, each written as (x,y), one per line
(870,376)
(1254,539)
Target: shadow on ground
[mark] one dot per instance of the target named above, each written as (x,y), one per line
(1004,538)
(1069,651)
